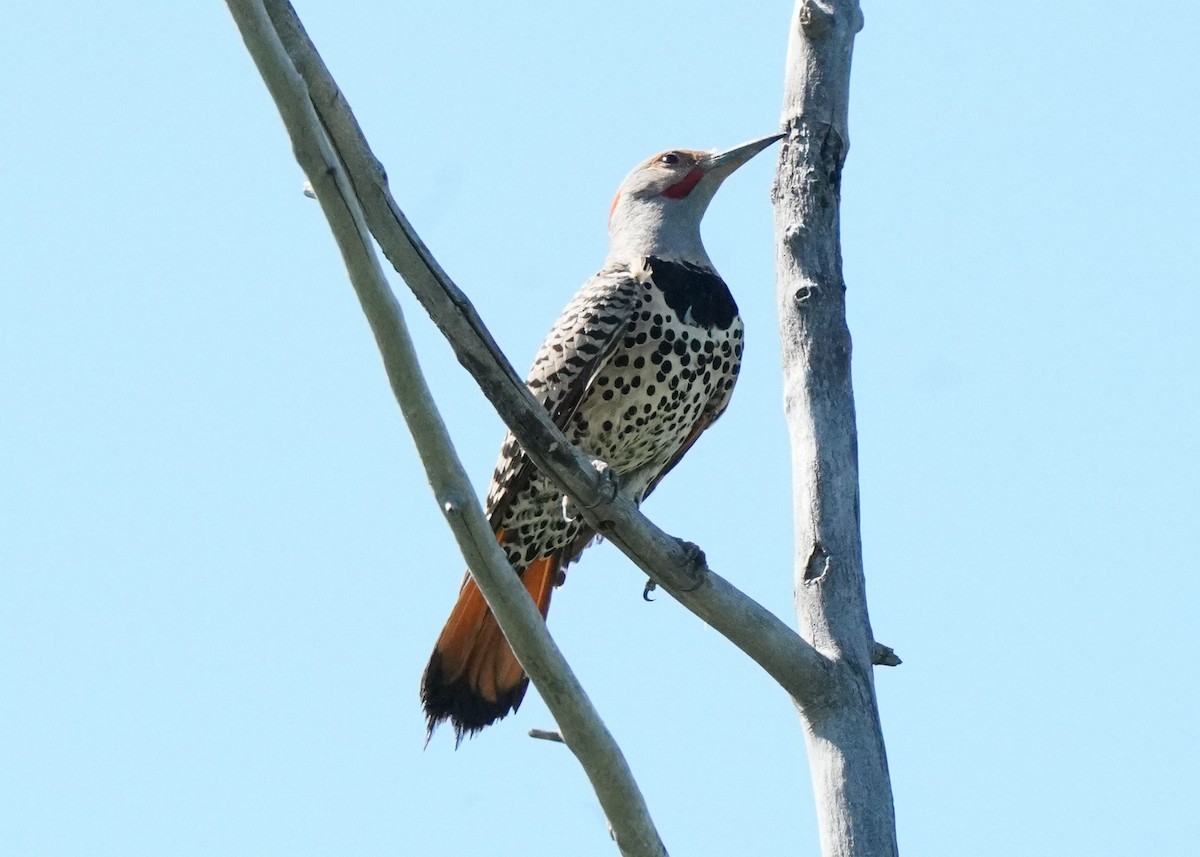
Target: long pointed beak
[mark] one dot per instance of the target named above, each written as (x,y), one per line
(729,160)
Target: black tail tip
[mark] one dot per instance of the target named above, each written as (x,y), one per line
(458,702)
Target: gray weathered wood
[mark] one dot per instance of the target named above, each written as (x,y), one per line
(845,742)
(830,675)
(582,729)
(680,569)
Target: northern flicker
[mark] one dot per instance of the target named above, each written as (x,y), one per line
(642,360)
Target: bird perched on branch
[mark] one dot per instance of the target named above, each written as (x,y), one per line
(642,360)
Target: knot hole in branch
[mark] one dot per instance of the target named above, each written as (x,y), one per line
(806,292)
(817,565)
(833,156)
(815,18)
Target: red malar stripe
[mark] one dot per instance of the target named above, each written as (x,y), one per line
(685,185)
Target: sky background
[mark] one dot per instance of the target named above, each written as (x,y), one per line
(222,571)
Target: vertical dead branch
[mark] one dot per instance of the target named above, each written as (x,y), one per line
(845,741)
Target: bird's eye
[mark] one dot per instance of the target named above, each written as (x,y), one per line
(670,158)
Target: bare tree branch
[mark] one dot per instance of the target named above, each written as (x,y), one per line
(884,656)
(845,742)
(676,566)
(829,676)
(582,728)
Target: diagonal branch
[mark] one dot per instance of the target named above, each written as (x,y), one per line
(676,566)
(581,726)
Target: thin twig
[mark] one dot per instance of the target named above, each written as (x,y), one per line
(884,656)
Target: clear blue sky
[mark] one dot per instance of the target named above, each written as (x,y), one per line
(221,571)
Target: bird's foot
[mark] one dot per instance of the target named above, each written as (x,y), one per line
(609,484)
(697,563)
(650,587)
(609,487)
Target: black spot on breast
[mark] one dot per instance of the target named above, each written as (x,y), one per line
(694,293)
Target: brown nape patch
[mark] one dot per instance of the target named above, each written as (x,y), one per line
(473,678)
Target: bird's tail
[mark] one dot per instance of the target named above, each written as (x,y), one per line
(473,678)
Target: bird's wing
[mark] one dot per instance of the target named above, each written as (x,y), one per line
(579,344)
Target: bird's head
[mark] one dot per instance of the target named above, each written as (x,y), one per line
(658,208)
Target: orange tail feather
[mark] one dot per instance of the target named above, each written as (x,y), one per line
(473,678)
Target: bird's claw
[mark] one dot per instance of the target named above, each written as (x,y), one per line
(650,587)
(608,491)
(697,563)
(609,485)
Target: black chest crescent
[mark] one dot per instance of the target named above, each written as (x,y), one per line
(696,294)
